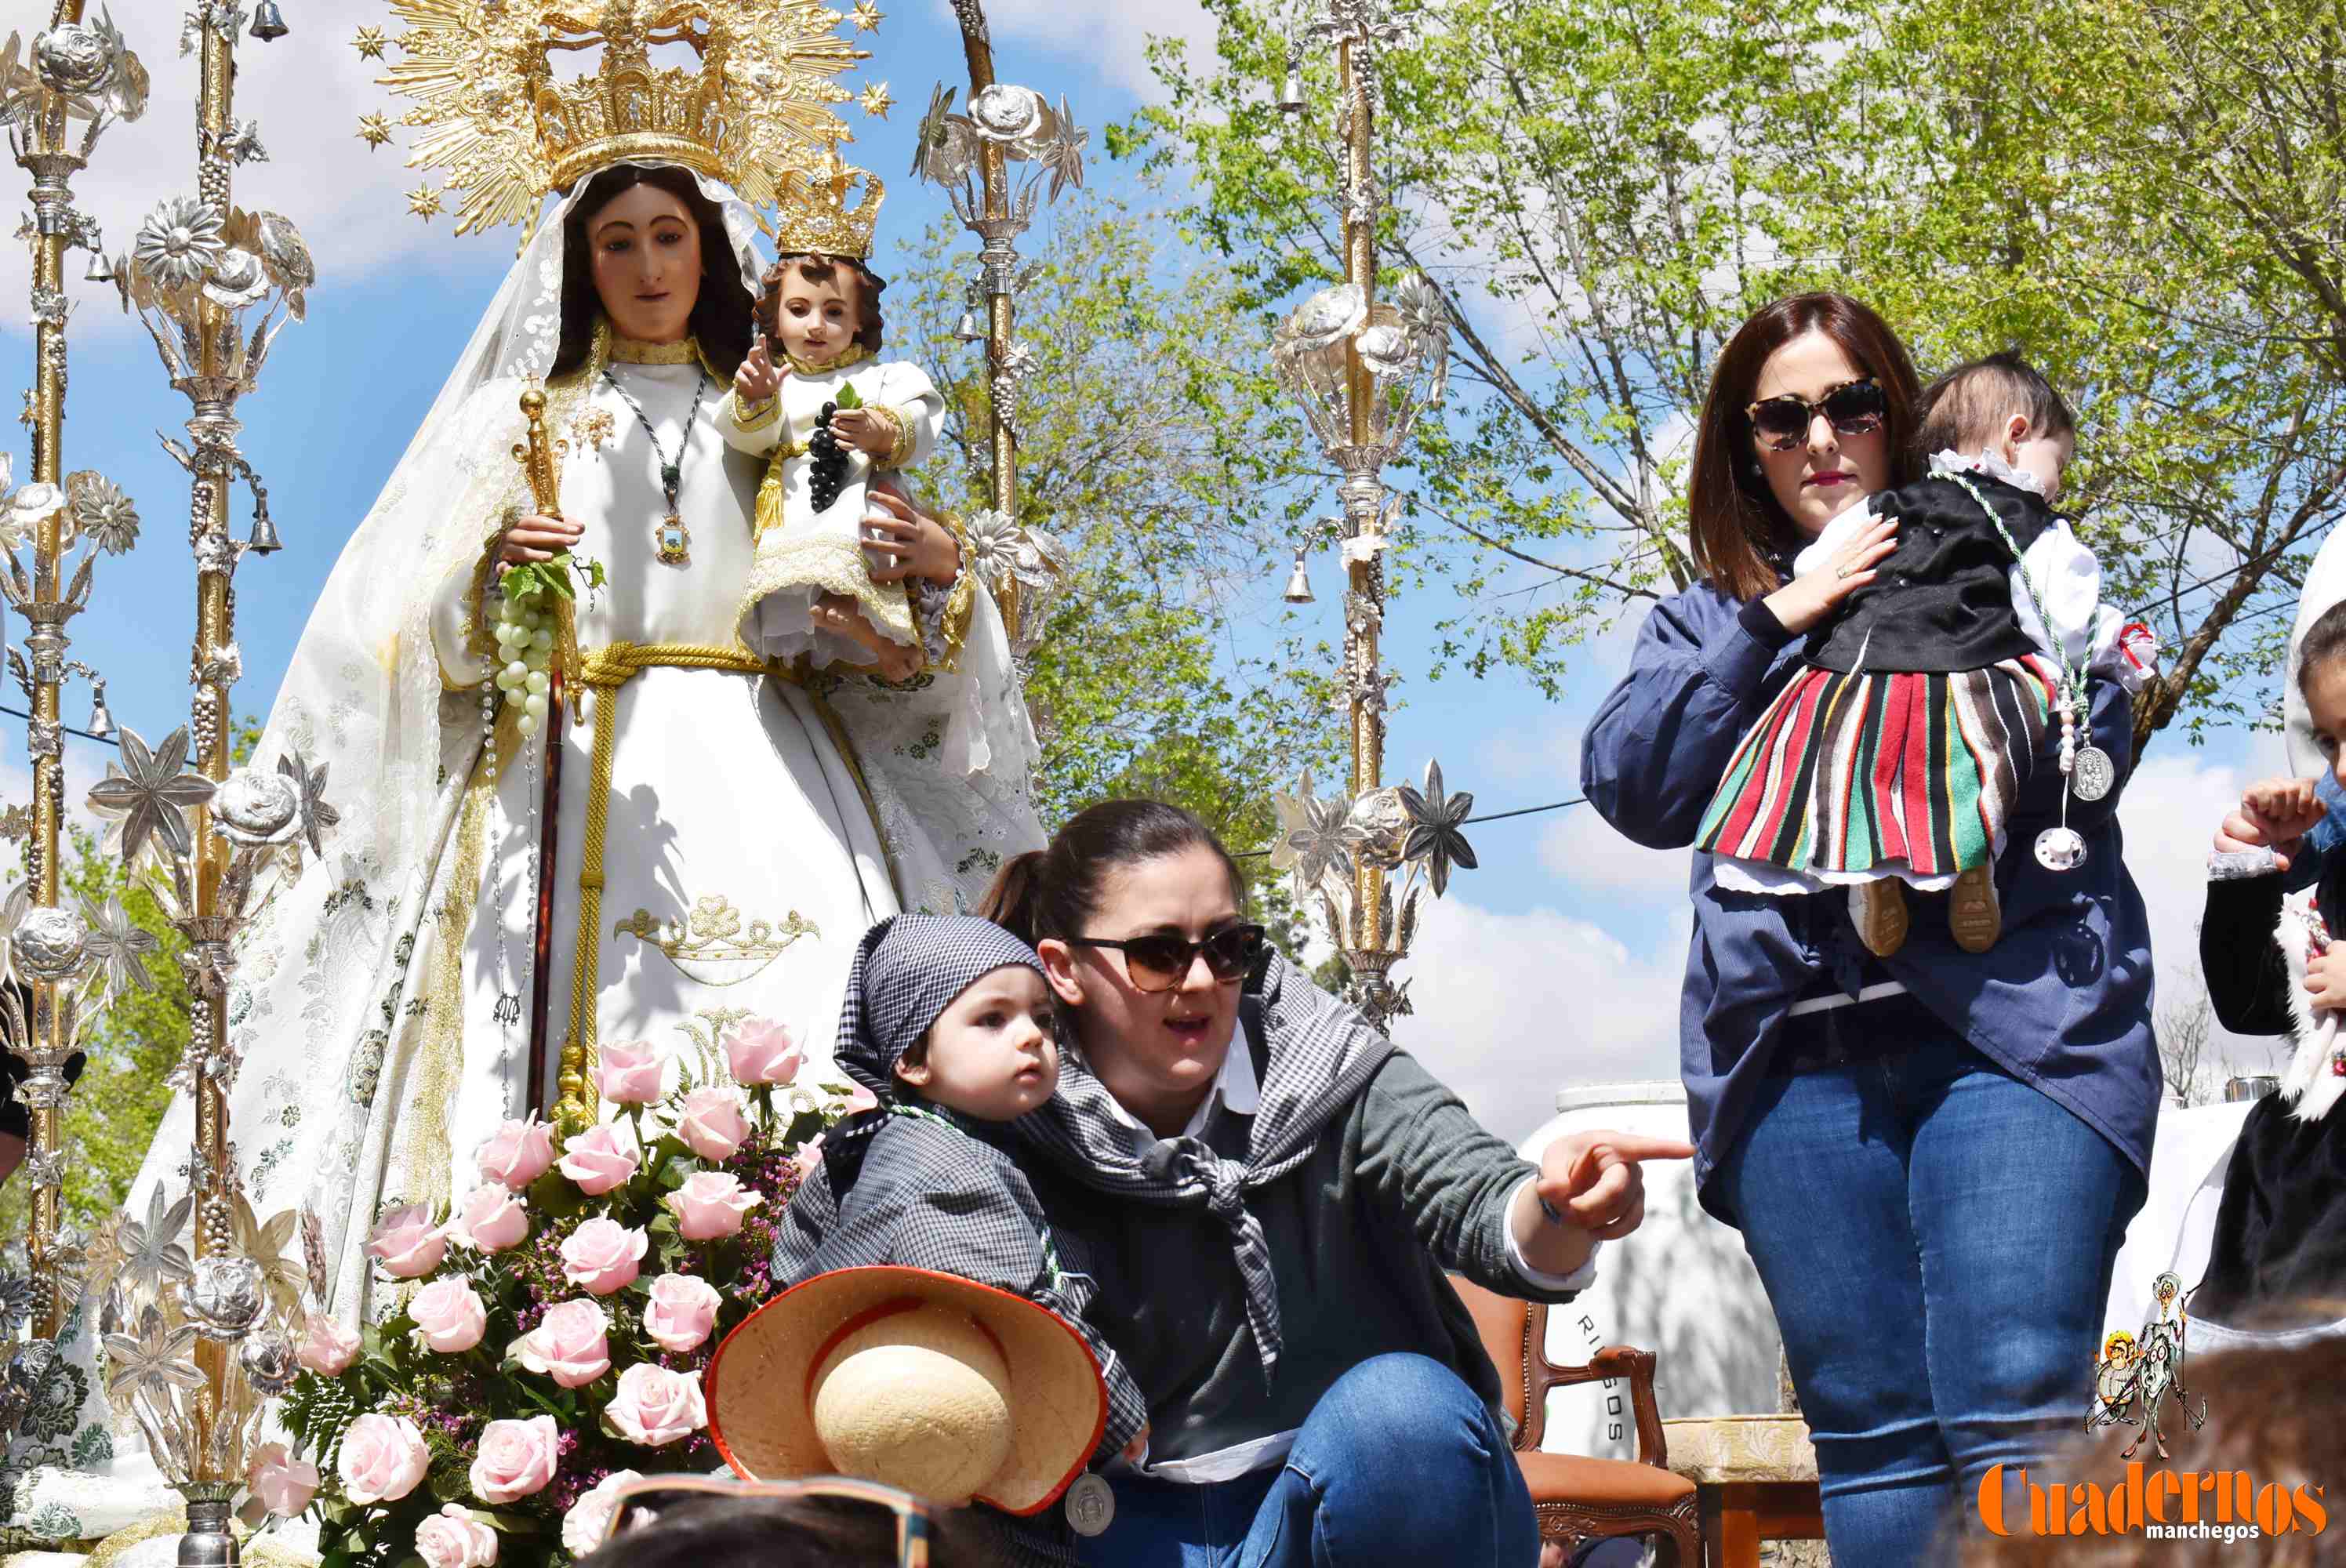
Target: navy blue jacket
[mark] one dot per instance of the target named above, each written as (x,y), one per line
(2063,1000)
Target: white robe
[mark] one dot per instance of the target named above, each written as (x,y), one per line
(730,807)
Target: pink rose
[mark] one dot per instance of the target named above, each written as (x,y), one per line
(713,1125)
(710,1205)
(284,1484)
(516,1460)
(809,1159)
(628,1071)
(518,1153)
(859,1100)
(409,1243)
(327,1347)
(455,1538)
(760,1051)
(492,1219)
(589,1519)
(568,1345)
(681,1312)
(449,1317)
(656,1407)
(383,1459)
(603,1255)
(599,1159)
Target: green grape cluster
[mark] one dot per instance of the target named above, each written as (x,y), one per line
(525,645)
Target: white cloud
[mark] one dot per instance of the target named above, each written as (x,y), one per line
(2169,813)
(1512,1007)
(1113,39)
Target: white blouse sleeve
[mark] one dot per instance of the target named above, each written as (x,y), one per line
(906,392)
(2069,580)
(754,428)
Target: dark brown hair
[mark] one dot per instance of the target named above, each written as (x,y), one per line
(1054,892)
(721,315)
(1964,409)
(869,325)
(2323,643)
(1737,527)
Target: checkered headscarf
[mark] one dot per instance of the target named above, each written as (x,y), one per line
(907,970)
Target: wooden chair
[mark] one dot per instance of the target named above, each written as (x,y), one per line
(1578,1498)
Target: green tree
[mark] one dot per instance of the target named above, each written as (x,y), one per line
(1153,442)
(1604,188)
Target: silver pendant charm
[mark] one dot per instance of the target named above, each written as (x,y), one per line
(2060,849)
(1091,1505)
(2093,774)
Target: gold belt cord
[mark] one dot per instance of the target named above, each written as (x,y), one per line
(604,672)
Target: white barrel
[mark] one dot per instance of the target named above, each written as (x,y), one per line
(1681,1287)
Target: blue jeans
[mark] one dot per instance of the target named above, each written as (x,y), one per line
(1398,1462)
(1936,1238)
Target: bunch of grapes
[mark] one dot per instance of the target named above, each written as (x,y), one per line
(827,475)
(526,643)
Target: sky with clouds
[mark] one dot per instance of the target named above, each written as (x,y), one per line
(1556,962)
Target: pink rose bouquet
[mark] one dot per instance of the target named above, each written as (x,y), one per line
(555,1319)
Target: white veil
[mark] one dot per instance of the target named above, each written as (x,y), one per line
(333,988)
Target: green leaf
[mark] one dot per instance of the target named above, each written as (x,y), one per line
(848,396)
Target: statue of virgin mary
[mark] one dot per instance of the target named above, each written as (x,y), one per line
(724,828)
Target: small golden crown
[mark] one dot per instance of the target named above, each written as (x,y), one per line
(815,217)
(491,112)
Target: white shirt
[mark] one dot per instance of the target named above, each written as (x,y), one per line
(1237,1090)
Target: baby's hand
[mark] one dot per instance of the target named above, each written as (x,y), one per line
(2325,980)
(860,427)
(757,381)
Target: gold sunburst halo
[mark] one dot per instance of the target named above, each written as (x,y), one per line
(876,101)
(493,117)
(867,16)
(369,43)
(375,130)
(423,202)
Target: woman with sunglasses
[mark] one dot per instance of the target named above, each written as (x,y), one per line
(1270,1193)
(1939,1147)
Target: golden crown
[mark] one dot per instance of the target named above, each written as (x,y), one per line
(753,107)
(815,217)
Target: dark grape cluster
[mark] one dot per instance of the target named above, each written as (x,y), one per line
(829,473)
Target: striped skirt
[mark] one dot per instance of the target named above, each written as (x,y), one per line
(1851,778)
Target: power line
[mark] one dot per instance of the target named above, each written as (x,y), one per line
(1492,817)
(69,729)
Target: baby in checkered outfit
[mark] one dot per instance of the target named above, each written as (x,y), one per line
(948,1021)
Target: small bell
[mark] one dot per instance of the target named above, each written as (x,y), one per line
(268,21)
(264,540)
(1290,95)
(969,332)
(99,270)
(101,721)
(1298,582)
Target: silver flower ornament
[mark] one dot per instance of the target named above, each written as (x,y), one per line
(49,944)
(225,1297)
(103,511)
(310,784)
(154,1361)
(117,947)
(153,794)
(257,808)
(179,241)
(151,1254)
(1434,835)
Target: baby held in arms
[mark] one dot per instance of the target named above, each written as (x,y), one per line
(828,416)
(948,1021)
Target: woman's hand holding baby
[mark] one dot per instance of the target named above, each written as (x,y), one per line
(2275,814)
(757,381)
(1800,604)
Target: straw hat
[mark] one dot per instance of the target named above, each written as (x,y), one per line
(951,1389)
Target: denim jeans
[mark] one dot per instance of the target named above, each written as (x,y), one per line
(1398,1462)
(1936,1238)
